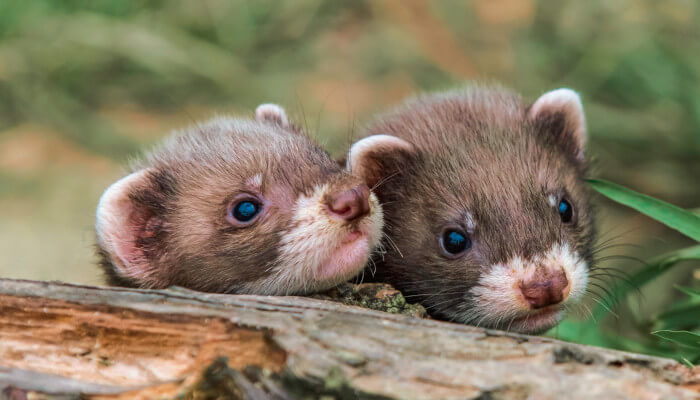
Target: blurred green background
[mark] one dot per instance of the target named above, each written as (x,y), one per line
(85,84)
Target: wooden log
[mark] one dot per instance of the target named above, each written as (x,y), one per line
(70,341)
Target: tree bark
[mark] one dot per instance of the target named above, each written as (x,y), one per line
(69,341)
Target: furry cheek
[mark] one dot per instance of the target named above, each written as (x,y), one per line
(318,252)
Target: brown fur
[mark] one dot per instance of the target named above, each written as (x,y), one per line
(476,152)
(180,210)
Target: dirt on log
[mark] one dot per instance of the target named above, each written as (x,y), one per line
(68,341)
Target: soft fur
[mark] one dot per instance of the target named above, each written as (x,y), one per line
(166,223)
(484,160)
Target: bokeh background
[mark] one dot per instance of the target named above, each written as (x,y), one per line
(84,85)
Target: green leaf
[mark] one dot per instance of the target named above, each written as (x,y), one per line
(693,293)
(687,362)
(674,217)
(681,316)
(683,338)
(592,333)
(649,273)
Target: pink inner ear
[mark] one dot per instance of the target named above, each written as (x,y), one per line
(121,222)
(127,246)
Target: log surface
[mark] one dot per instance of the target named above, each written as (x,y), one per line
(75,341)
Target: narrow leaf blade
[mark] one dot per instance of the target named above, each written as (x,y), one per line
(684,338)
(672,216)
(693,293)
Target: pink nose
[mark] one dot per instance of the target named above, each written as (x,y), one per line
(350,204)
(545,291)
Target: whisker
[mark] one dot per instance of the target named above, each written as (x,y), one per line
(392,243)
(621,257)
(606,307)
(606,291)
(383,181)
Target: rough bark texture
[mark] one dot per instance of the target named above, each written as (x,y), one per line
(69,341)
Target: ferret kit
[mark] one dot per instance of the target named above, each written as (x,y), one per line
(487,215)
(237,206)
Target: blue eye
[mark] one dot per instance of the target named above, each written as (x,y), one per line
(455,241)
(245,210)
(566,211)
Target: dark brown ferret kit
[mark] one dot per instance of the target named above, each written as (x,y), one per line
(487,213)
(237,206)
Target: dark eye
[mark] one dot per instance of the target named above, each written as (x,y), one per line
(245,211)
(566,211)
(455,241)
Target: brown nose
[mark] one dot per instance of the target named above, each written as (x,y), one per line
(350,204)
(545,291)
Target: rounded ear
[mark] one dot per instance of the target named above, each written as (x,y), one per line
(377,157)
(560,113)
(271,113)
(126,225)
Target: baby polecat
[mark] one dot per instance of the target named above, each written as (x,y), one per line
(486,209)
(237,206)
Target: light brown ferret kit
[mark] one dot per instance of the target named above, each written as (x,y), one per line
(237,206)
(487,214)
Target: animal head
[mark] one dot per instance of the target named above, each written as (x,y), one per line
(487,212)
(237,206)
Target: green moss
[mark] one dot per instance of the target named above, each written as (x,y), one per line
(375,296)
